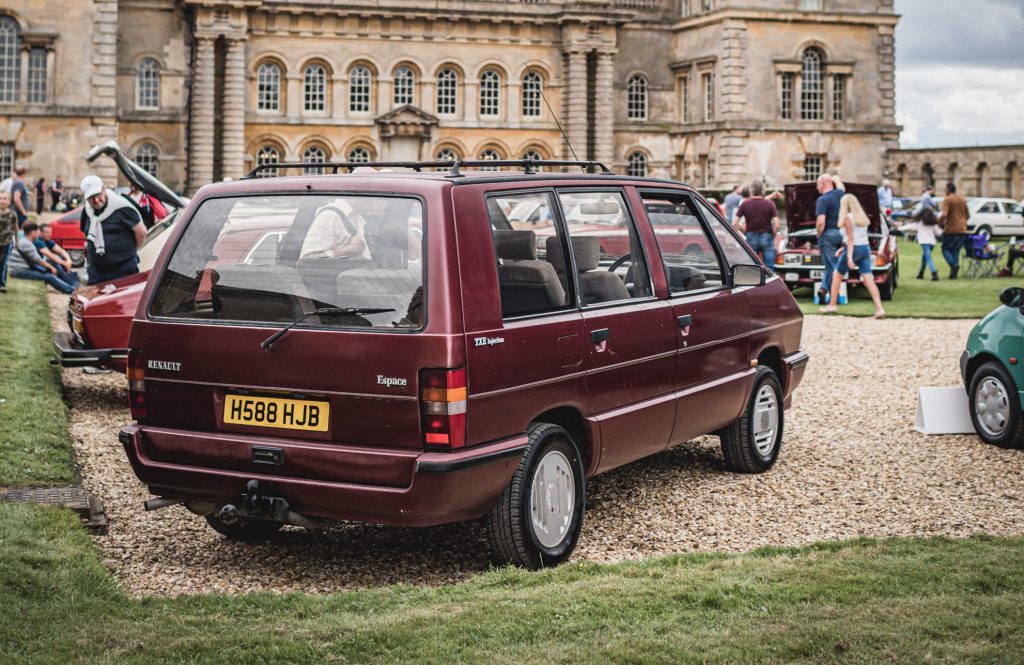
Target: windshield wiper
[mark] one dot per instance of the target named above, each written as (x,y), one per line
(269,342)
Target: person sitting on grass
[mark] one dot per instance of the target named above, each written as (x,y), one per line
(855,253)
(50,250)
(26,263)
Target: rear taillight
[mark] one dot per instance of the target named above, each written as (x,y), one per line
(443,407)
(137,383)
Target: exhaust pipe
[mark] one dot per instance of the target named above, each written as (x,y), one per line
(157,504)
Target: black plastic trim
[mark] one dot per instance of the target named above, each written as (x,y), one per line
(470,462)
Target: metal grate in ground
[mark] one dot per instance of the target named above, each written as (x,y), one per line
(89,508)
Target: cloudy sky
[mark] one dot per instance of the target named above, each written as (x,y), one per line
(960,72)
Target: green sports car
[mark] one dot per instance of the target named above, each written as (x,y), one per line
(993,372)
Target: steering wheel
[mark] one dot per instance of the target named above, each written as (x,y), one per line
(617,263)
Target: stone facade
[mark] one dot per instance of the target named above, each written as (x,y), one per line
(712,92)
(979,171)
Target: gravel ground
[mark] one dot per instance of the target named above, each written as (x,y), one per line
(851,465)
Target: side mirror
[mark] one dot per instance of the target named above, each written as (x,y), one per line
(748,275)
(1012,296)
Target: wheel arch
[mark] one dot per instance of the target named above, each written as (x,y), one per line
(977,361)
(572,421)
(771,358)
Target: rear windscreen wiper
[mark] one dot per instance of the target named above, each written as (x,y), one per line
(269,342)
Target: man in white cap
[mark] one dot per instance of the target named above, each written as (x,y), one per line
(113,231)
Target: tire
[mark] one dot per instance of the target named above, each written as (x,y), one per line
(995,406)
(740,440)
(887,288)
(516,532)
(244,530)
(984,230)
(77,257)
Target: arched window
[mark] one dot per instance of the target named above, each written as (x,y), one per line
(812,103)
(148,157)
(267,154)
(490,93)
(636,98)
(533,155)
(532,86)
(637,165)
(10,60)
(359,155)
(314,154)
(147,84)
(314,88)
(446,155)
(405,86)
(268,87)
(489,155)
(359,89)
(447,91)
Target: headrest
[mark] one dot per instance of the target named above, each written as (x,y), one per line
(515,245)
(586,249)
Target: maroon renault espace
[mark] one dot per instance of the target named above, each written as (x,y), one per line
(407,356)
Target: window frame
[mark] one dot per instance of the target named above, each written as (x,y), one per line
(10,60)
(147,85)
(637,98)
(360,101)
(812,85)
(635,235)
(141,159)
(265,94)
(532,91)
(424,266)
(37,76)
(314,100)
(404,83)
(490,104)
(451,82)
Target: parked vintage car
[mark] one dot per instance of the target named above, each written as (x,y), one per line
(993,373)
(995,217)
(798,259)
(475,376)
(99,315)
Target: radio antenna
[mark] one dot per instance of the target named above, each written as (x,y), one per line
(558,124)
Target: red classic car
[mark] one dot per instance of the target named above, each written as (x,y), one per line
(799,262)
(67,233)
(99,315)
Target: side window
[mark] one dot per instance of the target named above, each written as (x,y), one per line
(1012,208)
(991,206)
(522,226)
(688,254)
(609,262)
(735,251)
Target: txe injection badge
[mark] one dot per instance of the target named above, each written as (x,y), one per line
(488,341)
(391,381)
(163,364)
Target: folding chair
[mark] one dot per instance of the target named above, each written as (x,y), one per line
(983,258)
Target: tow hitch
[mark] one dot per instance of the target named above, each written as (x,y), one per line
(269,508)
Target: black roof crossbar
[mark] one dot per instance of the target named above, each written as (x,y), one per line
(529,166)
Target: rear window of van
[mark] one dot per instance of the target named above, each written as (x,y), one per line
(278,258)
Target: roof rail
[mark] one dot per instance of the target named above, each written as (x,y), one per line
(529,166)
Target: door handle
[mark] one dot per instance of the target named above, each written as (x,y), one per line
(598,336)
(685,320)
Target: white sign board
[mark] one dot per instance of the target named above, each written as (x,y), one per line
(943,411)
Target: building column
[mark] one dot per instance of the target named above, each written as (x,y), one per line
(576,104)
(233,149)
(200,167)
(604,111)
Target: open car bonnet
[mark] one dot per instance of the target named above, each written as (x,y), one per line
(137,175)
(801,199)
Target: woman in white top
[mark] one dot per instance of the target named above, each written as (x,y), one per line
(927,231)
(855,253)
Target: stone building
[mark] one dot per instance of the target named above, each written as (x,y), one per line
(712,92)
(977,171)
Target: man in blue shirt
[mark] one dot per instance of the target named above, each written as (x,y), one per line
(827,225)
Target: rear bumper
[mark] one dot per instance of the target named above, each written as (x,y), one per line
(801,276)
(444,487)
(69,354)
(795,364)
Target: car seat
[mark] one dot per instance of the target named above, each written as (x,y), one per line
(526,284)
(596,285)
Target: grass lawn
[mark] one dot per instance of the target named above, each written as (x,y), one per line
(963,298)
(35,448)
(908,600)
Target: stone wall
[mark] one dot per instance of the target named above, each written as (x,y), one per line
(976,171)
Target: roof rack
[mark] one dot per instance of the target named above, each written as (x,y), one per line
(529,166)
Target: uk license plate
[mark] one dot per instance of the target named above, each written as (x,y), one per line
(283,413)
(817,274)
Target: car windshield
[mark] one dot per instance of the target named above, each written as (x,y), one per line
(274,259)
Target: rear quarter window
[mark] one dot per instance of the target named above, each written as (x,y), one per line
(275,259)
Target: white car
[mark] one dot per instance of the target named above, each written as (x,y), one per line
(995,217)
